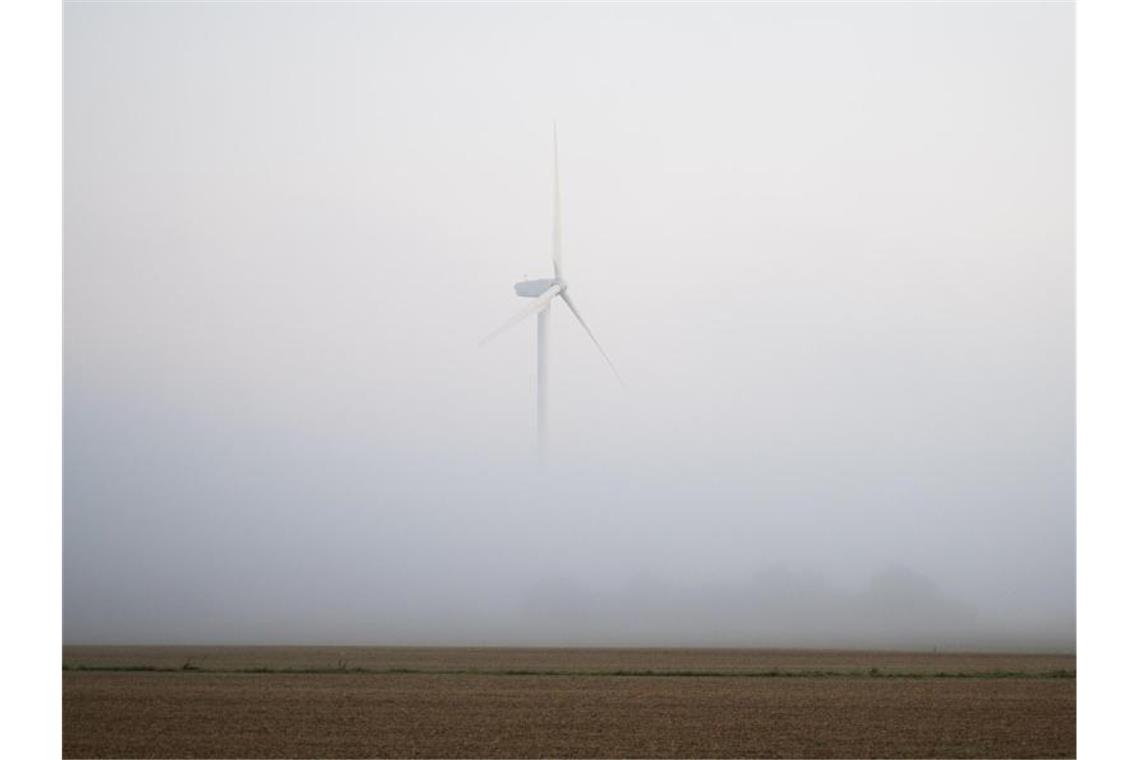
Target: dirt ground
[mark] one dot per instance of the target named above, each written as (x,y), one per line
(582,659)
(202,714)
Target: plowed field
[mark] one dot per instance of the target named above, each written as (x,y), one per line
(341,702)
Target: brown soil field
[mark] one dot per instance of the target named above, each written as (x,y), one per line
(476,704)
(580,660)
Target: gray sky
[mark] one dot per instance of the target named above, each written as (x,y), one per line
(829,247)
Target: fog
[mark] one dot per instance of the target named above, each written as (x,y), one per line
(829,247)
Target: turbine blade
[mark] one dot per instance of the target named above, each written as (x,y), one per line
(538,305)
(556,239)
(566,298)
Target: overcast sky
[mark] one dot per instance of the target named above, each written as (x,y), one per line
(829,247)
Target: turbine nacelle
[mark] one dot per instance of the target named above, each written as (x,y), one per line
(535,288)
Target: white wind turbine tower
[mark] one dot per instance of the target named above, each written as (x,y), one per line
(544,291)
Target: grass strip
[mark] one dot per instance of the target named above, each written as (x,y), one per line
(771,673)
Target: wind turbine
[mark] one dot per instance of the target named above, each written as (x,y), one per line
(544,291)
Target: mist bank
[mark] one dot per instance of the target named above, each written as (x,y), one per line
(201,527)
(897,608)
